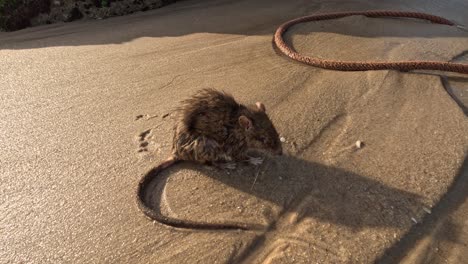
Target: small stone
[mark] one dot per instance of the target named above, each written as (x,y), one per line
(282,139)
(414,220)
(359,144)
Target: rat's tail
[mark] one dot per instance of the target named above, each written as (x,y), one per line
(143,185)
(149,176)
(154,213)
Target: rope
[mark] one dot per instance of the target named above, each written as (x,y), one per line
(368,65)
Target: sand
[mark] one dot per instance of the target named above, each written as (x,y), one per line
(86,111)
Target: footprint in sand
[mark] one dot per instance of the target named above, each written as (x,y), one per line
(143,140)
(145,144)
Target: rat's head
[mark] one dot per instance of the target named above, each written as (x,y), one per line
(259,130)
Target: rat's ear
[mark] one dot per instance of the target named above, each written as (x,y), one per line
(260,106)
(245,122)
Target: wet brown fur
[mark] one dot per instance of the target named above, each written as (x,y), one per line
(208,130)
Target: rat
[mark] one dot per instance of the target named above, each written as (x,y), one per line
(213,129)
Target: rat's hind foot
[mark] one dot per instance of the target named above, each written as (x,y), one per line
(255,160)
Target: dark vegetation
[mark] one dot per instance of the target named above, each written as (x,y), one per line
(16,14)
(19,14)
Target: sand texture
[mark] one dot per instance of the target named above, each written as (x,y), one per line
(86,110)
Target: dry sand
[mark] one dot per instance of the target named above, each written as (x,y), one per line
(73,148)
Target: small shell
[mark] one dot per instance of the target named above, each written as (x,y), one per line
(359,144)
(427,210)
(414,220)
(282,139)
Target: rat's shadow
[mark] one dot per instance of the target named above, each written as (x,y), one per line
(288,185)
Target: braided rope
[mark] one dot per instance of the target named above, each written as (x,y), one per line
(369,65)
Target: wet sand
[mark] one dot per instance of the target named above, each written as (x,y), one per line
(86,111)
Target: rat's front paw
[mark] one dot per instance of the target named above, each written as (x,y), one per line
(227,165)
(255,160)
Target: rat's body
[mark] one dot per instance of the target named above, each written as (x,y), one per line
(212,128)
